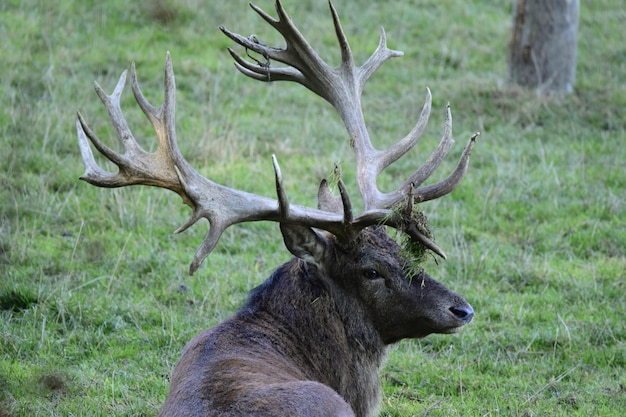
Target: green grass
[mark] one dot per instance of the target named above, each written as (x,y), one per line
(95,301)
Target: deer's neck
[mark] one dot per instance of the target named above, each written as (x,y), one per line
(322,332)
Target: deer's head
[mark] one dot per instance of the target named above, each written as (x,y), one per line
(373,271)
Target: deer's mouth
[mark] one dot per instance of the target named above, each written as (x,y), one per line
(456,318)
(451,330)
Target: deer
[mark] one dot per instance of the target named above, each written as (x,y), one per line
(311,340)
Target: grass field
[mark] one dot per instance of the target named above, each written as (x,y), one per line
(95,301)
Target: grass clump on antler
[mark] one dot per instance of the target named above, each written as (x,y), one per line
(415,251)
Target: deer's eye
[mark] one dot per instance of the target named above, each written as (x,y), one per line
(372,273)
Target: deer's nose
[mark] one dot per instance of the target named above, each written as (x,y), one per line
(464,313)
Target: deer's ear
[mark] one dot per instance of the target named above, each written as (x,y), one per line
(304,243)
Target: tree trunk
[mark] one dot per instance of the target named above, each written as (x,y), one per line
(542,51)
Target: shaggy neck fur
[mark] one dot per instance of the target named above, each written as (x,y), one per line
(316,310)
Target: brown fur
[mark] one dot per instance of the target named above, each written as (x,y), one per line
(311,339)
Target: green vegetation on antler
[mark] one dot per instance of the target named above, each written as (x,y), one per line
(416,250)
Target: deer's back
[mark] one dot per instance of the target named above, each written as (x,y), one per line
(250,365)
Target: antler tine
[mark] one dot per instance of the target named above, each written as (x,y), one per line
(392,154)
(348,217)
(435,159)
(93,173)
(283,201)
(380,55)
(347,61)
(326,200)
(264,73)
(208,244)
(433,191)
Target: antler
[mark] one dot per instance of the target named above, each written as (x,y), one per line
(342,88)
(223,206)
(166,168)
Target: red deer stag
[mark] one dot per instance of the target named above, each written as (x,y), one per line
(310,340)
